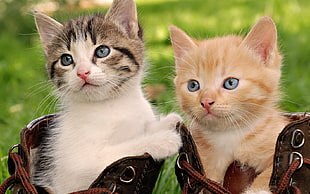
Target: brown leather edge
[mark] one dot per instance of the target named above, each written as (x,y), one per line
(190,152)
(279,162)
(146,174)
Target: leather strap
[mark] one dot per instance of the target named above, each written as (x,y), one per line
(189,154)
(6,184)
(206,183)
(189,170)
(19,175)
(285,181)
(293,145)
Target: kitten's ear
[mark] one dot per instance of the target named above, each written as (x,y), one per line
(47,27)
(262,38)
(124,12)
(180,41)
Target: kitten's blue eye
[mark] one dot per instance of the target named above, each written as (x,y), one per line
(66,59)
(231,83)
(102,51)
(193,85)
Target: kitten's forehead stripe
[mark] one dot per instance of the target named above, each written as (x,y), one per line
(126,52)
(90,30)
(71,35)
(80,29)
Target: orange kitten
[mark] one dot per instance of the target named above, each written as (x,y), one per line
(229,89)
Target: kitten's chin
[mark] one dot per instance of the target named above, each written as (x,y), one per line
(89,93)
(216,123)
(86,98)
(211,116)
(213,125)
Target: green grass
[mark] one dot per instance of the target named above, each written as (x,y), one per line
(24,86)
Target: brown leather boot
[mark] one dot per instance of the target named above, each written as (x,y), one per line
(291,171)
(128,175)
(189,169)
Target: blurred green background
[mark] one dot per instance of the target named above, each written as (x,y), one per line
(25,90)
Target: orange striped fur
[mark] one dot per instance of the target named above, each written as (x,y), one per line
(228,88)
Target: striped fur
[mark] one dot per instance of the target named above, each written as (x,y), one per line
(124,62)
(96,64)
(241,123)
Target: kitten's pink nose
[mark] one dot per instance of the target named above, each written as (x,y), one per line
(206,103)
(83,74)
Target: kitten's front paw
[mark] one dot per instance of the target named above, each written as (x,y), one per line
(168,143)
(170,121)
(166,139)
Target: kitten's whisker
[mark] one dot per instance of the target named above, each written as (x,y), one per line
(39,88)
(246,120)
(266,107)
(51,105)
(43,104)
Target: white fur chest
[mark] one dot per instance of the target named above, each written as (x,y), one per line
(107,122)
(89,135)
(219,152)
(103,124)
(225,141)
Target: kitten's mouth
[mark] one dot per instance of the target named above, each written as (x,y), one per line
(210,115)
(87,85)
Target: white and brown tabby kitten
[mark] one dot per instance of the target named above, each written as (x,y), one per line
(96,63)
(229,89)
